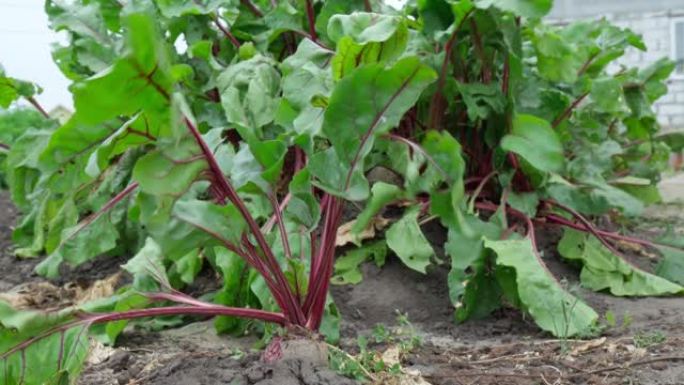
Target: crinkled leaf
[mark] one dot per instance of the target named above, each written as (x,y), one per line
(381,194)
(525,8)
(347,266)
(553,308)
(535,140)
(603,270)
(408,242)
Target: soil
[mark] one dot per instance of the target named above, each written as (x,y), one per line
(645,346)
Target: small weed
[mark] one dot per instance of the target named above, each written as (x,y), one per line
(371,363)
(648,339)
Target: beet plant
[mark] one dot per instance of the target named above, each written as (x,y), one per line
(232,134)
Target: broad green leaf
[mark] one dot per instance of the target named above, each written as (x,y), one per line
(271,155)
(347,266)
(303,207)
(235,289)
(381,97)
(408,242)
(12,89)
(436,15)
(364,27)
(249,94)
(221,222)
(176,8)
(671,267)
(553,308)
(525,8)
(482,100)
(138,81)
(147,268)
(381,194)
(83,242)
(603,270)
(55,359)
(365,38)
(306,66)
(472,287)
(331,172)
(159,174)
(557,59)
(524,202)
(607,94)
(596,199)
(535,140)
(331,8)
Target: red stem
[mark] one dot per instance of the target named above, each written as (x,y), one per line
(292,308)
(568,111)
(38,107)
(479,49)
(108,206)
(368,6)
(213,311)
(437,103)
(506,75)
(228,34)
(252,8)
(581,227)
(311,17)
(586,65)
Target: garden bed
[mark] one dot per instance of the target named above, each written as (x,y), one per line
(644,348)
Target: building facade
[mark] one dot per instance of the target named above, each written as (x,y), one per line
(661,24)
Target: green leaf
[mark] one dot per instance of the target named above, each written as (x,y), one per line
(138,81)
(331,172)
(557,59)
(552,307)
(381,97)
(535,140)
(177,8)
(249,94)
(603,270)
(671,267)
(347,266)
(147,268)
(482,100)
(83,242)
(407,241)
(303,207)
(364,27)
(472,287)
(159,174)
(607,94)
(381,194)
(221,222)
(235,289)
(525,8)
(54,359)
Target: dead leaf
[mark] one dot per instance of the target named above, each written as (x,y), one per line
(98,352)
(345,234)
(36,295)
(589,345)
(99,289)
(46,296)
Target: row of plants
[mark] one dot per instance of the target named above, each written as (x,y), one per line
(233,134)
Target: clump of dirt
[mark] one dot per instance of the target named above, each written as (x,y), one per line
(195,355)
(248,371)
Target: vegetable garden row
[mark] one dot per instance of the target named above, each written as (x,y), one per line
(239,136)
